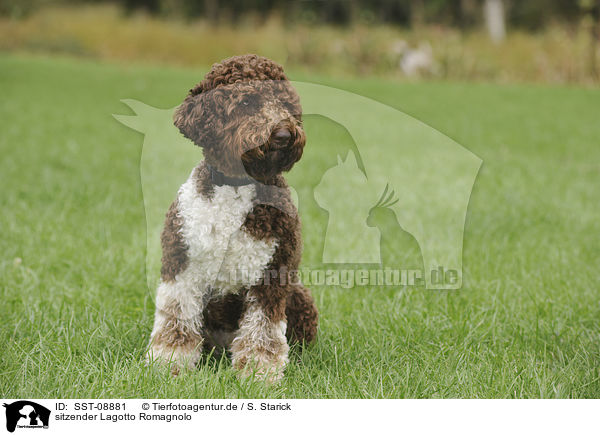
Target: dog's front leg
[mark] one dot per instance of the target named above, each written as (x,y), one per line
(260,346)
(177,335)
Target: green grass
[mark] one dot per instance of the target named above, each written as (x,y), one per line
(76,312)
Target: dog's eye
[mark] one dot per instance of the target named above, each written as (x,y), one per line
(294,109)
(249,100)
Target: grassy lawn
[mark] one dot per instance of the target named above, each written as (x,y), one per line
(76,311)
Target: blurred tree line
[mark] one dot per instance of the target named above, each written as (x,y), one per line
(525,14)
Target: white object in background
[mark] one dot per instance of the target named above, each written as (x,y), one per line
(493,11)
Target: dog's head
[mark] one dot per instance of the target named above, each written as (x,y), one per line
(247,118)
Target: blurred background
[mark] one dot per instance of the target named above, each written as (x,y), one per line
(552,41)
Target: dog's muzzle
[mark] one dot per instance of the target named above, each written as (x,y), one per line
(280,138)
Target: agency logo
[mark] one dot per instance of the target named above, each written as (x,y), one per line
(24,414)
(393,196)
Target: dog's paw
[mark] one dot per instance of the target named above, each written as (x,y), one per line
(260,365)
(269,373)
(176,359)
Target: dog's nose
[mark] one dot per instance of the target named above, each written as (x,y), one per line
(281,136)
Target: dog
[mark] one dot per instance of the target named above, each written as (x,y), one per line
(232,238)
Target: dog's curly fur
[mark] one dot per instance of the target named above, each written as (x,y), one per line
(233,111)
(235,212)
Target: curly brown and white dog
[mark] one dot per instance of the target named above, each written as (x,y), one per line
(233,232)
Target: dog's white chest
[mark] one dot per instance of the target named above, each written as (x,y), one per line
(222,256)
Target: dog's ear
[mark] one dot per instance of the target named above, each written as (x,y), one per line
(188,117)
